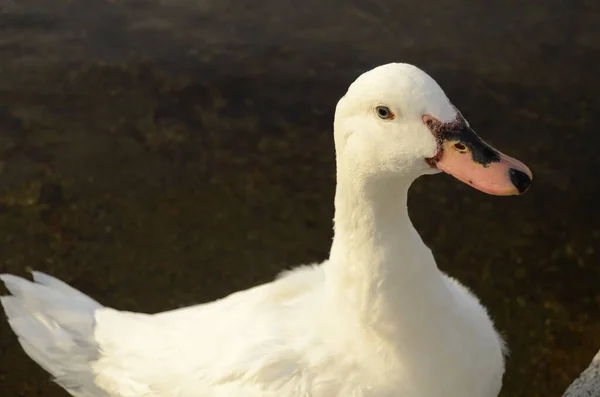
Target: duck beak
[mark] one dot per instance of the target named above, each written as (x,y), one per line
(464,155)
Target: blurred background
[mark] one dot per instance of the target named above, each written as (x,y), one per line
(162,153)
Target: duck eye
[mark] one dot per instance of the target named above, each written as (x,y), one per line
(384,112)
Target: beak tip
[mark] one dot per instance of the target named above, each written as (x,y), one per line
(520,180)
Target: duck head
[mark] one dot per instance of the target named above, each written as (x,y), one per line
(395,120)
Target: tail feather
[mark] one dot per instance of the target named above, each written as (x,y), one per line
(66,289)
(55,326)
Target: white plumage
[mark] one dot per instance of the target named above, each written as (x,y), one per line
(377,319)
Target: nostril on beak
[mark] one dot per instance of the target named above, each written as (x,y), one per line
(519,179)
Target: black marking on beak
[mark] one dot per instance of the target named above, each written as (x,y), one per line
(459,131)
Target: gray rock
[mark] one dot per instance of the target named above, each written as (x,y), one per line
(588,383)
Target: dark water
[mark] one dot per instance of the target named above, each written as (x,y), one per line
(157,154)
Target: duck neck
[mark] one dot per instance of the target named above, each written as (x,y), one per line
(378,262)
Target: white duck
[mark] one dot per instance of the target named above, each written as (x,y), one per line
(377,319)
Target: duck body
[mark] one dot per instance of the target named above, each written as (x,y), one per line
(376,319)
(239,346)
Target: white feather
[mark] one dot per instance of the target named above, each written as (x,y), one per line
(55,325)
